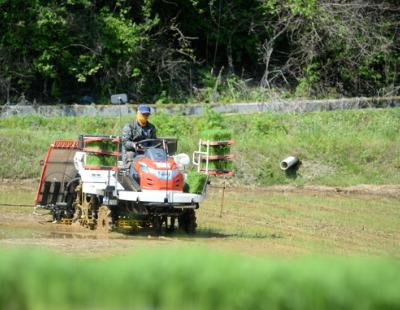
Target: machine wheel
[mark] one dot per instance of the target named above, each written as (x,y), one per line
(76,204)
(104,219)
(157,225)
(77,214)
(83,208)
(171,226)
(187,221)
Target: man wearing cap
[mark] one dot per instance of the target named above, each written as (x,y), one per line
(137,130)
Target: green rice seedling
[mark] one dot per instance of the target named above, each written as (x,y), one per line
(105,145)
(100,160)
(195,182)
(218,164)
(216,135)
(217,149)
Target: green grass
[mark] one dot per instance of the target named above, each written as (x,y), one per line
(336,148)
(195,279)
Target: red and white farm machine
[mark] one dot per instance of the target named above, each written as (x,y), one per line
(85,182)
(106,193)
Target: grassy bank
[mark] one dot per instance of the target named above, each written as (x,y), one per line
(195,279)
(336,148)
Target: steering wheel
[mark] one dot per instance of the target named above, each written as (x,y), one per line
(155,143)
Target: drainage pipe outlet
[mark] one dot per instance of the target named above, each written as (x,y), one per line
(289,162)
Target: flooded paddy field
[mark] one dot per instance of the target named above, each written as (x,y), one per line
(255,221)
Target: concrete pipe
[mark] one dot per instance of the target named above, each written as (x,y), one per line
(289,162)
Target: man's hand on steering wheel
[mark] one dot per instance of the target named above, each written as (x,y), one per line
(154,143)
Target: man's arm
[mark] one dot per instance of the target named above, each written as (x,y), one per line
(127,139)
(153,132)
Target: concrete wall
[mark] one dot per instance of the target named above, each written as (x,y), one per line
(197,109)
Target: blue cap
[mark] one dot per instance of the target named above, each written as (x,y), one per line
(144,109)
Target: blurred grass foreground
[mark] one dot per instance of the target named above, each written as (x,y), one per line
(195,279)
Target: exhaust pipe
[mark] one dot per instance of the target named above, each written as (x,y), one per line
(289,162)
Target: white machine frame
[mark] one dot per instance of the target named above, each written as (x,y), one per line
(96,181)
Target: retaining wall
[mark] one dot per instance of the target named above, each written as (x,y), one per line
(197,109)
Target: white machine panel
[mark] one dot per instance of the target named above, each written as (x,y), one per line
(159,196)
(95,182)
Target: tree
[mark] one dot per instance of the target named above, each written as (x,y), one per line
(162,49)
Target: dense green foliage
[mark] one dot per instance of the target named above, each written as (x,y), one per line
(196,50)
(336,148)
(184,279)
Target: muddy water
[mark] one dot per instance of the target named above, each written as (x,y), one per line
(256,221)
(19,220)
(21,225)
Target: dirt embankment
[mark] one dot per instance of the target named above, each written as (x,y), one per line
(363,189)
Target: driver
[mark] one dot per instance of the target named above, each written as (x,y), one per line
(137,130)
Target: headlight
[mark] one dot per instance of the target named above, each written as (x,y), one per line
(182,159)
